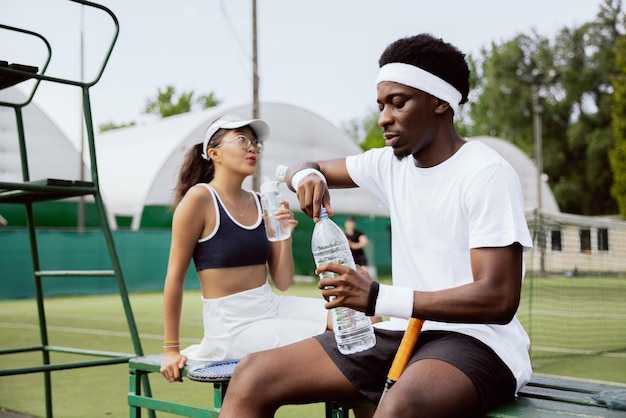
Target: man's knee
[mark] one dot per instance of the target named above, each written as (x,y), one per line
(419,405)
(248,371)
(398,405)
(431,388)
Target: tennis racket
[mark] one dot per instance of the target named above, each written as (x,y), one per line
(403,354)
(216,371)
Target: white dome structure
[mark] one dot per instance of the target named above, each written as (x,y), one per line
(527,172)
(138,166)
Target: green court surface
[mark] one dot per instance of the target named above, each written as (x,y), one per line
(98,323)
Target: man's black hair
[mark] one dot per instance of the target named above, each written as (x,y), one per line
(433,55)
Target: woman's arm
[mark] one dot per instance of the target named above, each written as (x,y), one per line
(187,226)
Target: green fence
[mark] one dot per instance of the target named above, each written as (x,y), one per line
(143,254)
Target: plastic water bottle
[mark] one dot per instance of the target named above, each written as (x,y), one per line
(353,330)
(277,230)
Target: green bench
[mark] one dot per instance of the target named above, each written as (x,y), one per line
(545,397)
(542,397)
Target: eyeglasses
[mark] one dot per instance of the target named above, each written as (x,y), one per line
(244,143)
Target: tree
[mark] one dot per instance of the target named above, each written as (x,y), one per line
(617,155)
(366,132)
(167,103)
(109,126)
(208,100)
(576,105)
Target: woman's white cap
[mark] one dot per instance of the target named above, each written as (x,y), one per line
(260,128)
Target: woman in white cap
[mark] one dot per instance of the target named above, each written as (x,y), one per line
(219,225)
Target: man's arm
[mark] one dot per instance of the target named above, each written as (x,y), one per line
(492,298)
(313,189)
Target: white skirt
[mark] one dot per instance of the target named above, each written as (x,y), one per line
(256,320)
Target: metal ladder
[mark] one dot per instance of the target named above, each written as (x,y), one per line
(29,192)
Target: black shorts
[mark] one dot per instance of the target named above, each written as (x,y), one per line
(368,369)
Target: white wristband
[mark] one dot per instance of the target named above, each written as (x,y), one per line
(394,301)
(299,175)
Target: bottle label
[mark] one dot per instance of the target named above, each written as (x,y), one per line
(326,274)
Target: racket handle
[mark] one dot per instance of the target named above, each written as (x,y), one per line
(405,349)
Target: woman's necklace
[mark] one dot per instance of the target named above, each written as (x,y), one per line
(241,214)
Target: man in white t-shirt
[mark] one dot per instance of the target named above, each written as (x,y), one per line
(458,234)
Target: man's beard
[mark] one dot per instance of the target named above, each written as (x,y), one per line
(401,155)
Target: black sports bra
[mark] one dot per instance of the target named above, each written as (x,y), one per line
(232,244)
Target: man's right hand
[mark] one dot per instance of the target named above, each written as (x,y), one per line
(312,194)
(312,189)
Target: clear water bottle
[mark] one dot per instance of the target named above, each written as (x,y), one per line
(353,330)
(277,230)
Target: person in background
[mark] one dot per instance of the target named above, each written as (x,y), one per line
(219,225)
(458,235)
(357,240)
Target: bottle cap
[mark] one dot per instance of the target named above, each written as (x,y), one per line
(281,172)
(269,186)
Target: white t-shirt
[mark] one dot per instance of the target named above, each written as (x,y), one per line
(473,199)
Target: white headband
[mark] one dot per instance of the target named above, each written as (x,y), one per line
(415,77)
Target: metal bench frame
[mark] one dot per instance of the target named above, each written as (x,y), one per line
(542,397)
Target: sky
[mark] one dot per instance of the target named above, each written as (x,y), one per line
(320,55)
